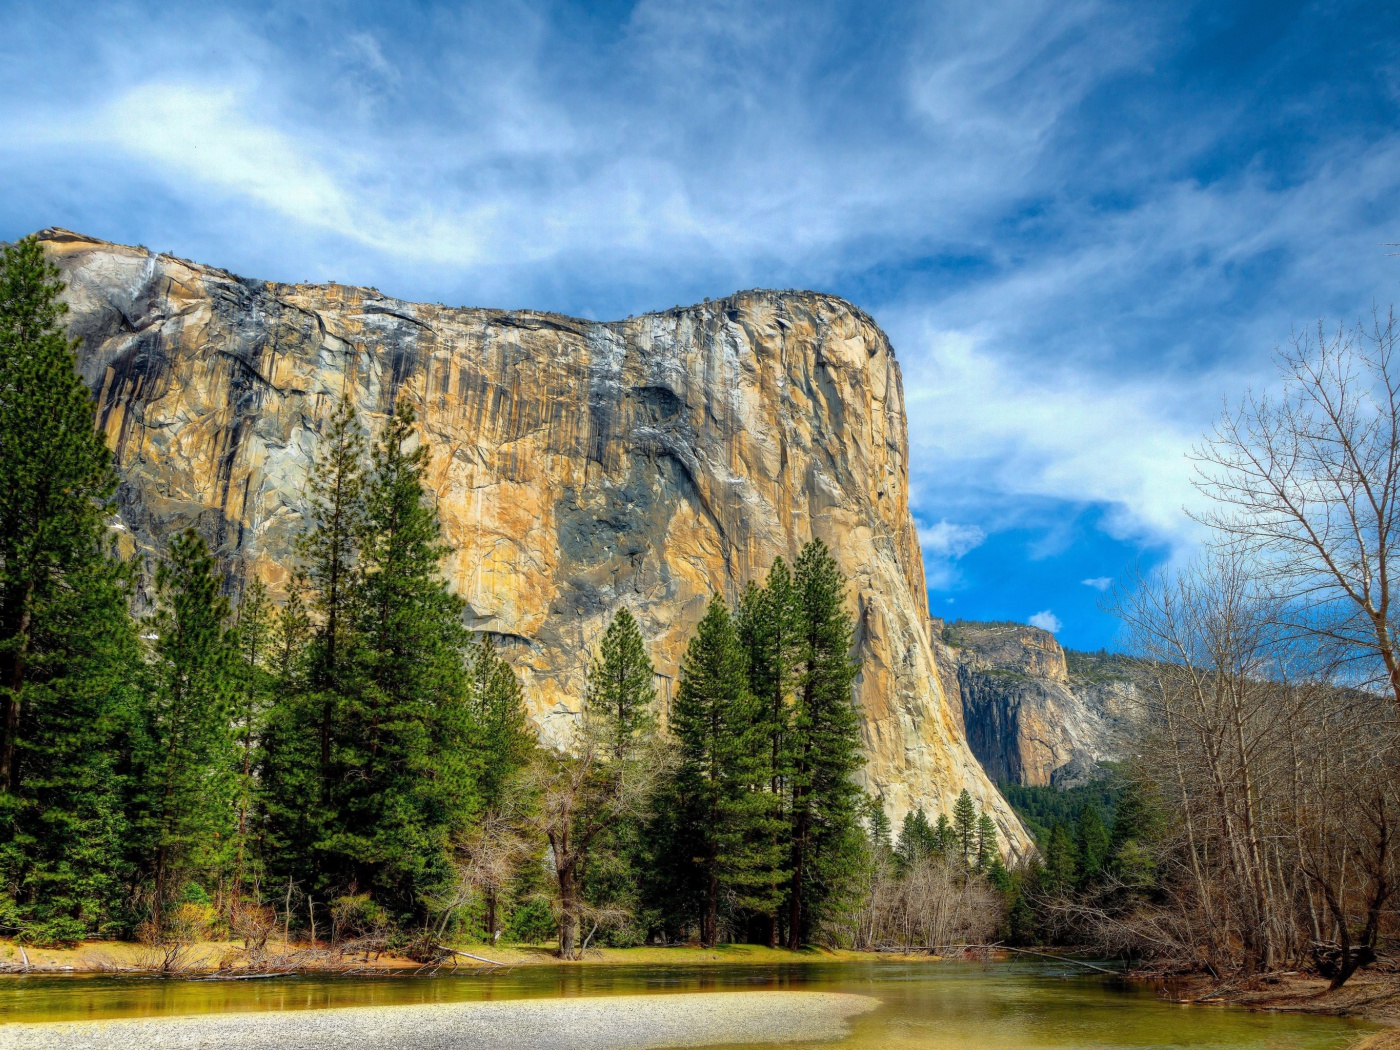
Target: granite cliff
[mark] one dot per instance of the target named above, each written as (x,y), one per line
(578,466)
(1032,713)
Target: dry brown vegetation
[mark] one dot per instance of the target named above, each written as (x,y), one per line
(1271,686)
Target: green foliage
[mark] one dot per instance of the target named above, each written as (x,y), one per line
(186,755)
(826,843)
(881,845)
(1091,843)
(55,474)
(404,736)
(726,828)
(1061,861)
(965,826)
(621,685)
(986,852)
(917,839)
(1041,808)
(1099,666)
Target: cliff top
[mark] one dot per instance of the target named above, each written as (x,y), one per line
(57,235)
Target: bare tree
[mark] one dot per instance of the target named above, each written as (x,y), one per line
(1280,788)
(1308,483)
(580,796)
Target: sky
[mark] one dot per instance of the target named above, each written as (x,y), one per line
(1084,225)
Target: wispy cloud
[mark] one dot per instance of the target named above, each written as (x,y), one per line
(1046,621)
(943,545)
(1098,583)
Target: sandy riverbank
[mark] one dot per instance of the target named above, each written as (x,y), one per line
(211,956)
(624,1022)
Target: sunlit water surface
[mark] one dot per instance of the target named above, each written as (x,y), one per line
(1021,1005)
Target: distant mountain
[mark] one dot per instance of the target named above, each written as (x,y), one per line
(1033,713)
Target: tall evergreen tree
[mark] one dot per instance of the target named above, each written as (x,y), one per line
(330,551)
(505,741)
(987,853)
(825,747)
(188,757)
(408,738)
(1061,869)
(768,624)
(55,472)
(881,843)
(713,719)
(620,701)
(945,841)
(254,640)
(917,839)
(68,651)
(965,826)
(65,841)
(622,687)
(1092,842)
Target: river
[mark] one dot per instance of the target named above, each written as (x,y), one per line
(1017,1005)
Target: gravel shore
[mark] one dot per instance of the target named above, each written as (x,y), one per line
(622,1022)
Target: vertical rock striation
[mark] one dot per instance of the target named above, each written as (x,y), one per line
(578,466)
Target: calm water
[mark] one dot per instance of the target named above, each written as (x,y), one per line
(957,1006)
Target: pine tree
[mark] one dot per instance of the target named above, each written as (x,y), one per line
(621,685)
(965,826)
(917,840)
(505,740)
(408,738)
(65,844)
(188,757)
(987,852)
(825,748)
(330,550)
(254,639)
(1092,844)
(292,795)
(1061,870)
(504,745)
(55,473)
(945,841)
(881,831)
(768,624)
(713,723)
(621,706)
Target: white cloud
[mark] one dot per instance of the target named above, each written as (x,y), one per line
(943,544)
(1099,583)
(950,540)
(1046,621)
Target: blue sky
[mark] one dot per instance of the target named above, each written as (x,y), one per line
(1082,223)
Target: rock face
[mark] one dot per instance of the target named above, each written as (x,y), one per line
(578,467)
(1034,715)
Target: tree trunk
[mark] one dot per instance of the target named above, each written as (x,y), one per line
(12,698)
(709,928)
(568,913)
(795,911)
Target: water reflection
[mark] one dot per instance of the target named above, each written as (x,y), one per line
(1019,1005)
